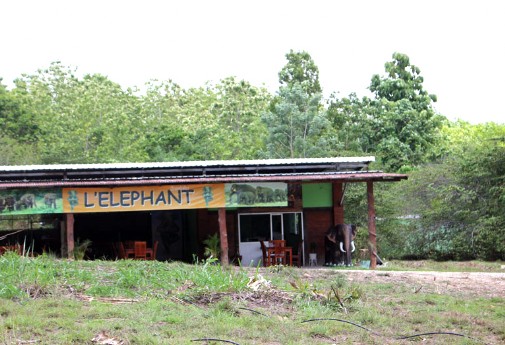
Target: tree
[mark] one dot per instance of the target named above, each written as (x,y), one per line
(404,126)
(297,128)
(399,124)
(350,119)
(86,121)
(160,108)
(403,82)
(14,121)
(238,107)
(18,132)
(300,69)
(458,200)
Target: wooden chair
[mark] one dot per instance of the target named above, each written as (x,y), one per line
(151,252)
(140,250)
(277,243)
(277,255)
(298,257)
(119,250)
(266,259)
(129,249)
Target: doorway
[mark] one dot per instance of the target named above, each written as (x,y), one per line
(256,227)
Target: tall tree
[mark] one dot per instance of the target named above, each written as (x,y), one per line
(160,108)
(399,124)
(238,107)
(403,82)
(350,119)
(297,128)
(300,69)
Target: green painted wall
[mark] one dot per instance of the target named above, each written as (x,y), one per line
(317,195)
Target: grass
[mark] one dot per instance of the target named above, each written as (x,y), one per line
(444,266)
(49,301)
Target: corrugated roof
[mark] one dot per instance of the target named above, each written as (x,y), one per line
(189,164)
(116,174)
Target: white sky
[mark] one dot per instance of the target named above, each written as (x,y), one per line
(458,45)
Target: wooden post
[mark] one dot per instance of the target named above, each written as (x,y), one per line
(338,203)
(70,235)
(223,236)
(372,234)
(63,239)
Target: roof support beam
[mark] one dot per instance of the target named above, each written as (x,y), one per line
(69,234)
(338,203)
(223,236)
(372,234)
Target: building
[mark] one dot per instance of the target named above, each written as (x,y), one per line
(179,204)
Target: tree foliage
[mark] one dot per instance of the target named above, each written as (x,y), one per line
(81,120)
(296,126)
(404,124)
(458,201)
(450,208)
(399,124)
(300,69)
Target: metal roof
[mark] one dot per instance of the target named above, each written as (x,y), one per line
(189,164)
(345,169)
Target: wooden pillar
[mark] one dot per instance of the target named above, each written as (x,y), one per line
(70,235)
(63,239)
(223,235)
(372,234)
(338,203)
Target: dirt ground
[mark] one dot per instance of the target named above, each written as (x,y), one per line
(453,283)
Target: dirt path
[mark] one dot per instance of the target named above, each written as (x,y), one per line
(453,283)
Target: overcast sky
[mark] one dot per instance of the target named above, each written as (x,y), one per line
(458,45)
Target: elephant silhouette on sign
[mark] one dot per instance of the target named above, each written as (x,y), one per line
(26,201)
(50,200)
(237,190)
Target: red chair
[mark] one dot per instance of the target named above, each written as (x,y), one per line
(140,250)
(277,243)
(119,250)
(298,257)
(151,252)
(266,259)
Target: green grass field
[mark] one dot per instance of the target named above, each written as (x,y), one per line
(44,300)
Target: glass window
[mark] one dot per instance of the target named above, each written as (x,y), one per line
(254,227)
(292,223)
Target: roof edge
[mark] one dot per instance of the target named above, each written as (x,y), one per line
(184,164)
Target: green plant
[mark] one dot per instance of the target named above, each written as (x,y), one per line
(81,248)
(151,302)
(212,246)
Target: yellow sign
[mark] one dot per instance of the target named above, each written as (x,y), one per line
(139,198)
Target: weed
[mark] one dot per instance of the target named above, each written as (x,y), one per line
(43,299)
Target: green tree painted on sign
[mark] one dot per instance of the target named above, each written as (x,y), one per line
(73,200)
(208,196)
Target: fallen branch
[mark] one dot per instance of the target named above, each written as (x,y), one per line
(344,321)
(398,337)
(435,333)
(106,299)
(253,311)
(213,339)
